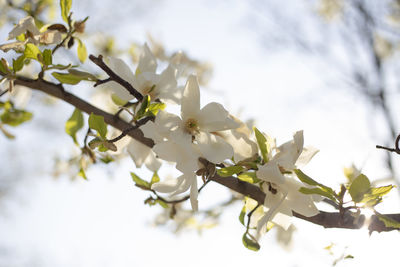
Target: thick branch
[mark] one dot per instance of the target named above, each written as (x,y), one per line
(325,219)
(58,91)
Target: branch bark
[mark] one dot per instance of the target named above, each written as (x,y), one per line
(325,219)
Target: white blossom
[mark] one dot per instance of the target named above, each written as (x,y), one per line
(145,79)
(282,195)
(27,25)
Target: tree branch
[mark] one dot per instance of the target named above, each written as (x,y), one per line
(57,90)
(114,77)
(346,220)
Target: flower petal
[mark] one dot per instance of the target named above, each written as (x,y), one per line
(270,172)
(168,185)
(147,61)
(138,152)
(24,25)
(190,104)
(194,194)
(213,147)
(214,117)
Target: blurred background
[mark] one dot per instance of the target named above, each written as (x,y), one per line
(326,67)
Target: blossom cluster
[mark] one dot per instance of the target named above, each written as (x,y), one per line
(210,132)
(199,135)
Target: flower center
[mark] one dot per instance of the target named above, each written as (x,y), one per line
(149,90)
(191,126)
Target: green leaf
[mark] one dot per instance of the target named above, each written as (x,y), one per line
(308,180)
(97,123)
(4,66)
(162,203)
(118,101)
(47,57)
(32,51)
(82,173)
(155,178)
(140,182)
(15,117)
(67,78)
(18,63)
(242,215)
(74,124)
(106,159)
(154,108)
(61,67)
(250,243)
(65,8)
(317,191)
(305,178)
(6,133)
(83,74)
(262,144)
(389,222)
(249,177)
(359,187)
(229,171)
(144,107)
(82,52)
(374,196)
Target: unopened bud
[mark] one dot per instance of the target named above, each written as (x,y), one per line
(80,26)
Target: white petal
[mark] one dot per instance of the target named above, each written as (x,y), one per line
(190,105)
(187,183)
(25,24)
(168,151)
(147,61)
(306,155)
(214,117)
(169,185)
(167,86)
(138,152)
(194,194)
(299,202)
(123,70)
(270,172)
(152,163)
(213,147)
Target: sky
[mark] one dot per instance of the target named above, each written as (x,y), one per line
(103,221)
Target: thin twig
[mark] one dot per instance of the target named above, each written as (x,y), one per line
(99,62)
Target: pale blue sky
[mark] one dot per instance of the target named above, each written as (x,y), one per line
(103,222)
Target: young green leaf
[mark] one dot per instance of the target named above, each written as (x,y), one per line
(242,215)
(250,243)
(97,123)
(74,124)
(229,171)
(153,108)
(249,177)
(155,178)
(317,191)
(47,57)
(67,78)
(140,182)
(18,63)
(15,117)
(389,222)
(144,107)
(65,8)
(82,52)
(262,144)
(83,74)
(32,51)
(359,187)
(4,66)
(82,173)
